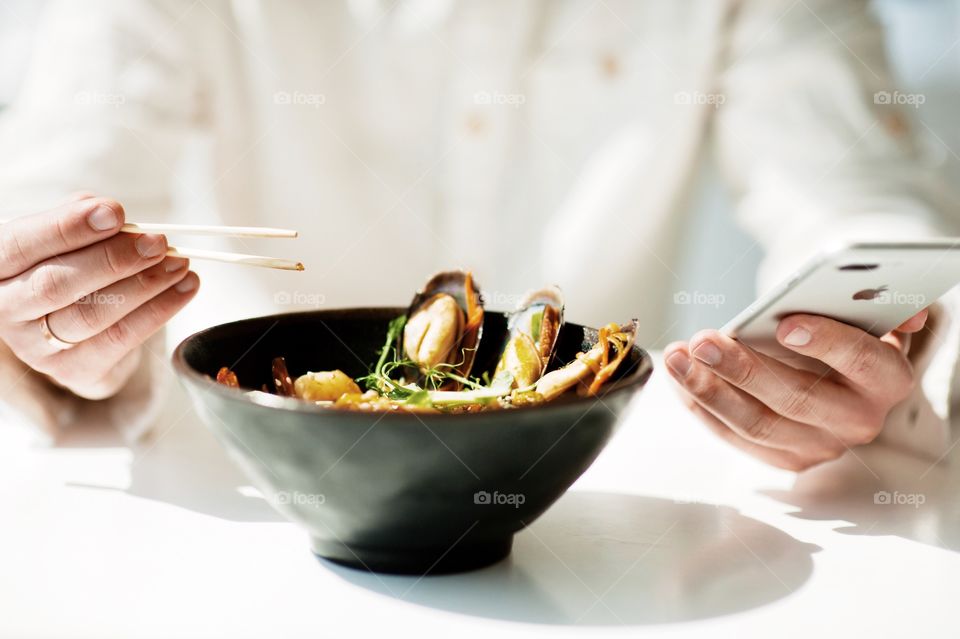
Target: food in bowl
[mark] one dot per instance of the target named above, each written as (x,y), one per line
(426,362)
(397,491)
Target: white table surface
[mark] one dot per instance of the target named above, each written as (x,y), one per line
(670,533)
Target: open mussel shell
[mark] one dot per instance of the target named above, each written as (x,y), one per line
(595,366)
(444,324)
(532,332)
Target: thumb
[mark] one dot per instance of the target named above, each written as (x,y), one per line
(914,324)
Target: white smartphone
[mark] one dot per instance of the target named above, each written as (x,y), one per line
(875,286)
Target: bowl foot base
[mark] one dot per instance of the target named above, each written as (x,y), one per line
(415,561)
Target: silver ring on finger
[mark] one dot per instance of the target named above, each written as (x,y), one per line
(51,339)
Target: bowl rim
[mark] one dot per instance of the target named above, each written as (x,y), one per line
(634,381)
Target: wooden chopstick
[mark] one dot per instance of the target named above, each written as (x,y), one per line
(195,229)
(235,258)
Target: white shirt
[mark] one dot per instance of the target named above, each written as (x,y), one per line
(532,141)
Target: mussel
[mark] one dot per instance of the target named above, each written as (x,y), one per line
(443,328)
(532,332)
(594,367)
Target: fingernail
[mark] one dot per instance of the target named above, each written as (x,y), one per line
(173,264)
(103,218)
(187,284)
(708,353)
(151,245)
(679,364)
(797,337)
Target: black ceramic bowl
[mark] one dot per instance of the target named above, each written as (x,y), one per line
(396,492)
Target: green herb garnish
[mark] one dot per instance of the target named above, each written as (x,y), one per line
(427,393)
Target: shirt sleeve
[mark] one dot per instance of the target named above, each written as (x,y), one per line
(817,150)
(47,412)
(110,96)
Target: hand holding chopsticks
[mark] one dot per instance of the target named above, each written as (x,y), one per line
(81,290)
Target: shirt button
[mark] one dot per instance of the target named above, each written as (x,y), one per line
(610,65)
(896,125)
(475,123)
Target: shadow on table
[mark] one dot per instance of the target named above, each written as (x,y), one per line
(611,559)
(182,465)
(592,559)
(880,491)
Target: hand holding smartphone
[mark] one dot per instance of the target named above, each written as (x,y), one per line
(875,286)
(836,376)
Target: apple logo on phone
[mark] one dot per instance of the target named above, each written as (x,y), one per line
(870,293)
